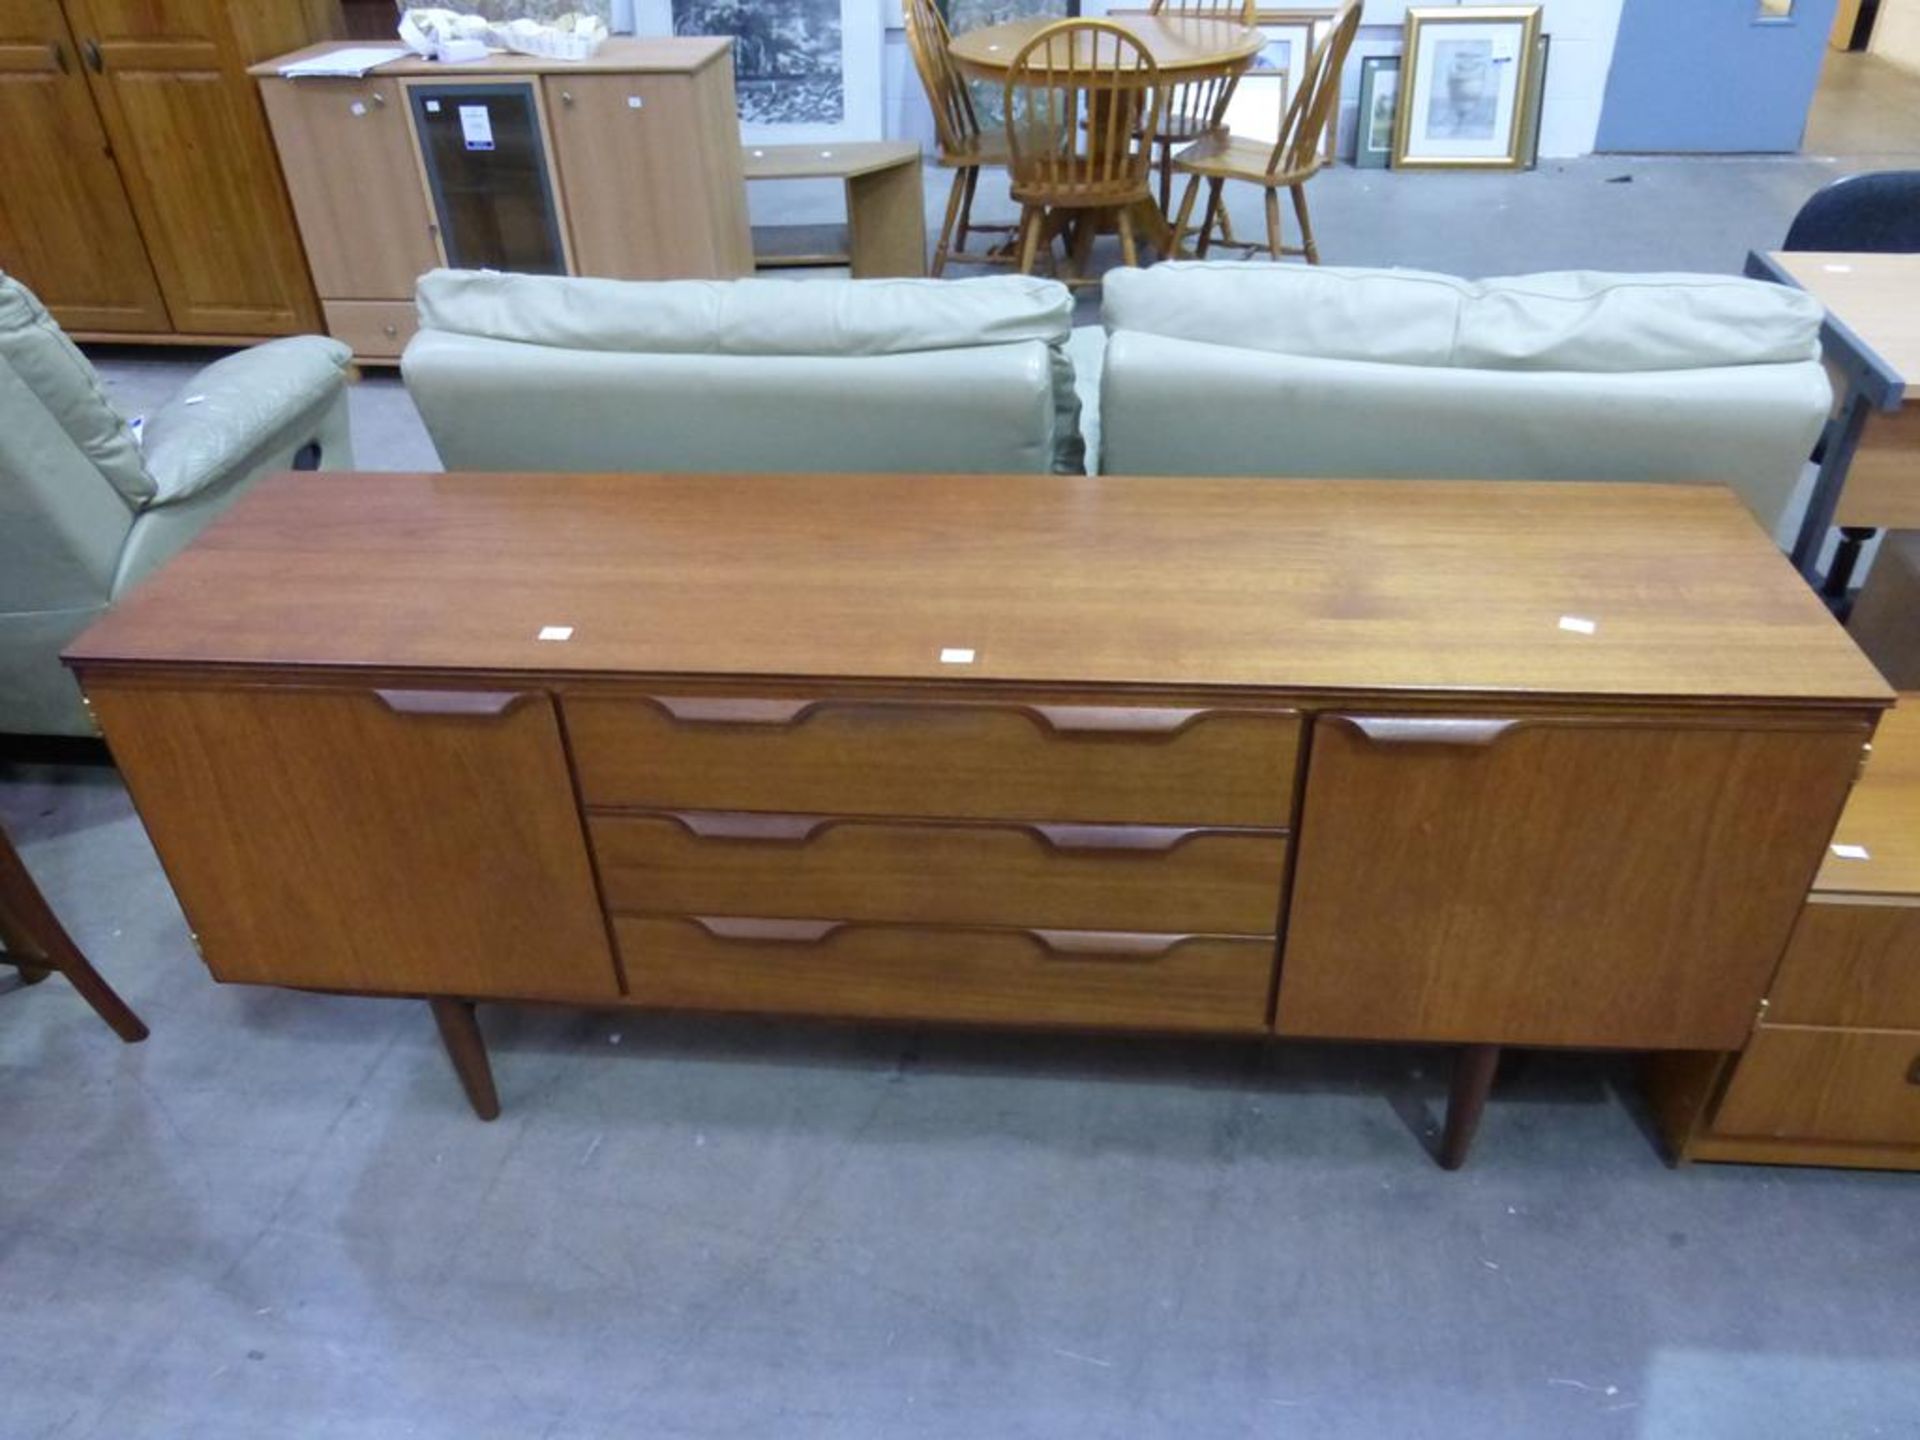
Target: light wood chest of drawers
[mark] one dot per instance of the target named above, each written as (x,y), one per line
(1831,1072)
(1136,754)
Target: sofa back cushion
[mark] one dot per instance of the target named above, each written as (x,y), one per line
(1577,321)
(51,369)
(62,521)
(1292,371)
(520,371)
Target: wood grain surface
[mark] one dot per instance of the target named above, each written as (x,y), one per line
(1402,586)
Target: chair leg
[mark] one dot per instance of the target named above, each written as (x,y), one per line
(31,931)
(1166,177)
(945,247)
(1216,195)
(1185,216)
(1274,247)
(460,1034)
(967,227)
(1030,223)
(1129,248)
(1306,225)
(1473,1071)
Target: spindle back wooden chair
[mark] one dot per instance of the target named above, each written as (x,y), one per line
(1195,109)
(1083,101)
(1295,158)
(963,148)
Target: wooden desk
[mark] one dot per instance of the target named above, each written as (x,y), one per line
(1028,750)
(1870,470)
(1832,1073)
(886,204)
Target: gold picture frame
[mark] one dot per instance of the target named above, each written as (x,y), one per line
(1475,116)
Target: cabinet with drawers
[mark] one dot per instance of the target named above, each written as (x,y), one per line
(620,740)
(625,165)
(1830,1073)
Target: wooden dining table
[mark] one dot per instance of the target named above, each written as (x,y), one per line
(1186,49)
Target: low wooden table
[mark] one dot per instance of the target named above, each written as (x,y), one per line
(1110,753)
(886,201)
(1870,469)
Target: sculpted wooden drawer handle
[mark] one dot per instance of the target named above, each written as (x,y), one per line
(477,703)
(1427,729)
(799,829)
(786,932)
(1107,944)
(1114,719)
(1061,719)
(1913,1071)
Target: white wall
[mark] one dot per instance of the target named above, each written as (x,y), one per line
(1896,34)
(1583,33)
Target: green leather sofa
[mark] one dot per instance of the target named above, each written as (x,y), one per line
(87,507)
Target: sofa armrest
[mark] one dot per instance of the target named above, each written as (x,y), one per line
(239,410)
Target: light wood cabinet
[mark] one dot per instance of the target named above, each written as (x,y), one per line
(143,199)
(1830,1073)
(626,165)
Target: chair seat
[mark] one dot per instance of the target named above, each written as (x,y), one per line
(1179,129)
(984,150)
(1236,157)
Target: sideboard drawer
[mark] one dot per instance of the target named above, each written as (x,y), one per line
(1851,962)
(1837,1086)
(1023,977)
(1092,763)
(1124,877)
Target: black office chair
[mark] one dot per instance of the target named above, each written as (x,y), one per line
(1878,211)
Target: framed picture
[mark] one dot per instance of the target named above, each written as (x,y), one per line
(1536,97)
(803,70)
(1260,100)
(1466,71)
(1379,106)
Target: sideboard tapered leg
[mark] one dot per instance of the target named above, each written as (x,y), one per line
(460,1033)
(1472,1080)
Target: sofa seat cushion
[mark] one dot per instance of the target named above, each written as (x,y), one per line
(1573,321)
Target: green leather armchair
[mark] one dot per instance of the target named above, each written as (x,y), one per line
(87,508)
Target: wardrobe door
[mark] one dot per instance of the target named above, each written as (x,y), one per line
(66,228)
(170,79)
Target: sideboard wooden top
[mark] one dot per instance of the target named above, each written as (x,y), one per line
(1882,817)
(1283,584)
(621,54)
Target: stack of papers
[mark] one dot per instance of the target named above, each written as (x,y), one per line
(353,62)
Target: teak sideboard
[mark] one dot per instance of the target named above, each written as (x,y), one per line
(1483,764)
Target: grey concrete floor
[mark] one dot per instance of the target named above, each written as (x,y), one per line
(277,1217)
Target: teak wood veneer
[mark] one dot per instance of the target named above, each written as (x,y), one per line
(1554,766)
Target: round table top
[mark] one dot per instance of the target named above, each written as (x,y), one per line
(1181,45)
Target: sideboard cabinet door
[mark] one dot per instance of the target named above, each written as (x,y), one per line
(1552,882)
(400,842)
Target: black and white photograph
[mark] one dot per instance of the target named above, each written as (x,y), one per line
(1467,72)
(1465,105)
(787,56)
